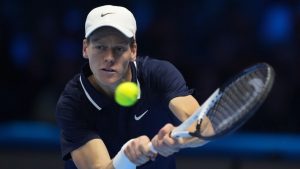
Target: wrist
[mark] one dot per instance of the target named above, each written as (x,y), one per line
(121,161)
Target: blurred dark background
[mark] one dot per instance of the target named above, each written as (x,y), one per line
(207,40)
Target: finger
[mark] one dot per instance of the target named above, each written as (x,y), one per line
(149,152)
(132,150)
(142,150)
(173,143)
(167,153)
(153,156)
(129,152)
(167,147)
(161,147)
(154,141)
(157,145)
(168,141)
(165,131)
(163,139)
(142,160)
(145,149)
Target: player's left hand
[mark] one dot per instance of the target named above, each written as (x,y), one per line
(137,150)
(164,144)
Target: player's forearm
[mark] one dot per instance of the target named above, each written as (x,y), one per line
(108,166)
(85,165)
(92,155)
(118,162)
(192,142)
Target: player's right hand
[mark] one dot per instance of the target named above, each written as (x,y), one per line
(137,150)
(164,144)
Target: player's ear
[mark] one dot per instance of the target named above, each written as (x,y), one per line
(133,48)
(85,48)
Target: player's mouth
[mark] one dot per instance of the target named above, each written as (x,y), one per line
(108,70)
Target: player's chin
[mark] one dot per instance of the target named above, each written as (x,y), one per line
(107,77)
(111,81)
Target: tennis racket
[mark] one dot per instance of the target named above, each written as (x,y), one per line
(231,105)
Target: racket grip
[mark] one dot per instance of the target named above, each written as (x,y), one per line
(152,149)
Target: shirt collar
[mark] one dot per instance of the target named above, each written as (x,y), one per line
(96,98)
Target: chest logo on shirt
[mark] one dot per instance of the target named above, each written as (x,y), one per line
(137,118)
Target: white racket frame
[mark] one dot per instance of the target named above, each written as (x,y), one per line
(181,130)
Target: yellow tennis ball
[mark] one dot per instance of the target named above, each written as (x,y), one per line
(126,94)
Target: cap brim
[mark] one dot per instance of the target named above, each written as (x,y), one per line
(118,27)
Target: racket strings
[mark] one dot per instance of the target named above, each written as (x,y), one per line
(238,99)
(230,102)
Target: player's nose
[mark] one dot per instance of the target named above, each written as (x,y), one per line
(109,55)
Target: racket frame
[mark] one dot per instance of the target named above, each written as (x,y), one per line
(181,130)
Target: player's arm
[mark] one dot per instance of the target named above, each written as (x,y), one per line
(94,155)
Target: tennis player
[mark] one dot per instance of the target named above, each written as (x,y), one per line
(98,133)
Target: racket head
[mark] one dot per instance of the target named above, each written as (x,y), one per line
(239,98)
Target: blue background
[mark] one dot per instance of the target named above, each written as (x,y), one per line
(208,41)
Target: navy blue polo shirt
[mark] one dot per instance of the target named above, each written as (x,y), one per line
(83,113)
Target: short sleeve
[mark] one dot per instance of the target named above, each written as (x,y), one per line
(73,124)
(168,80)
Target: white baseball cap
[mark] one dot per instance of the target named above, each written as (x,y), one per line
(117,17)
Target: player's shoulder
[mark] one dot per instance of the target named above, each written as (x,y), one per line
(73,85)
(146,63)
(72,92)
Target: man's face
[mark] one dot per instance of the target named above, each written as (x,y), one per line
(109,53)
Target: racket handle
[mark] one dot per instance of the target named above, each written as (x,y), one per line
(180,134)
(152,149)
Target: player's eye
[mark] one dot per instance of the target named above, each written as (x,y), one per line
(101,47)
(120,49)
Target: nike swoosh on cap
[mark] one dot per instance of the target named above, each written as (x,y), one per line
(104,14)
(137,118)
